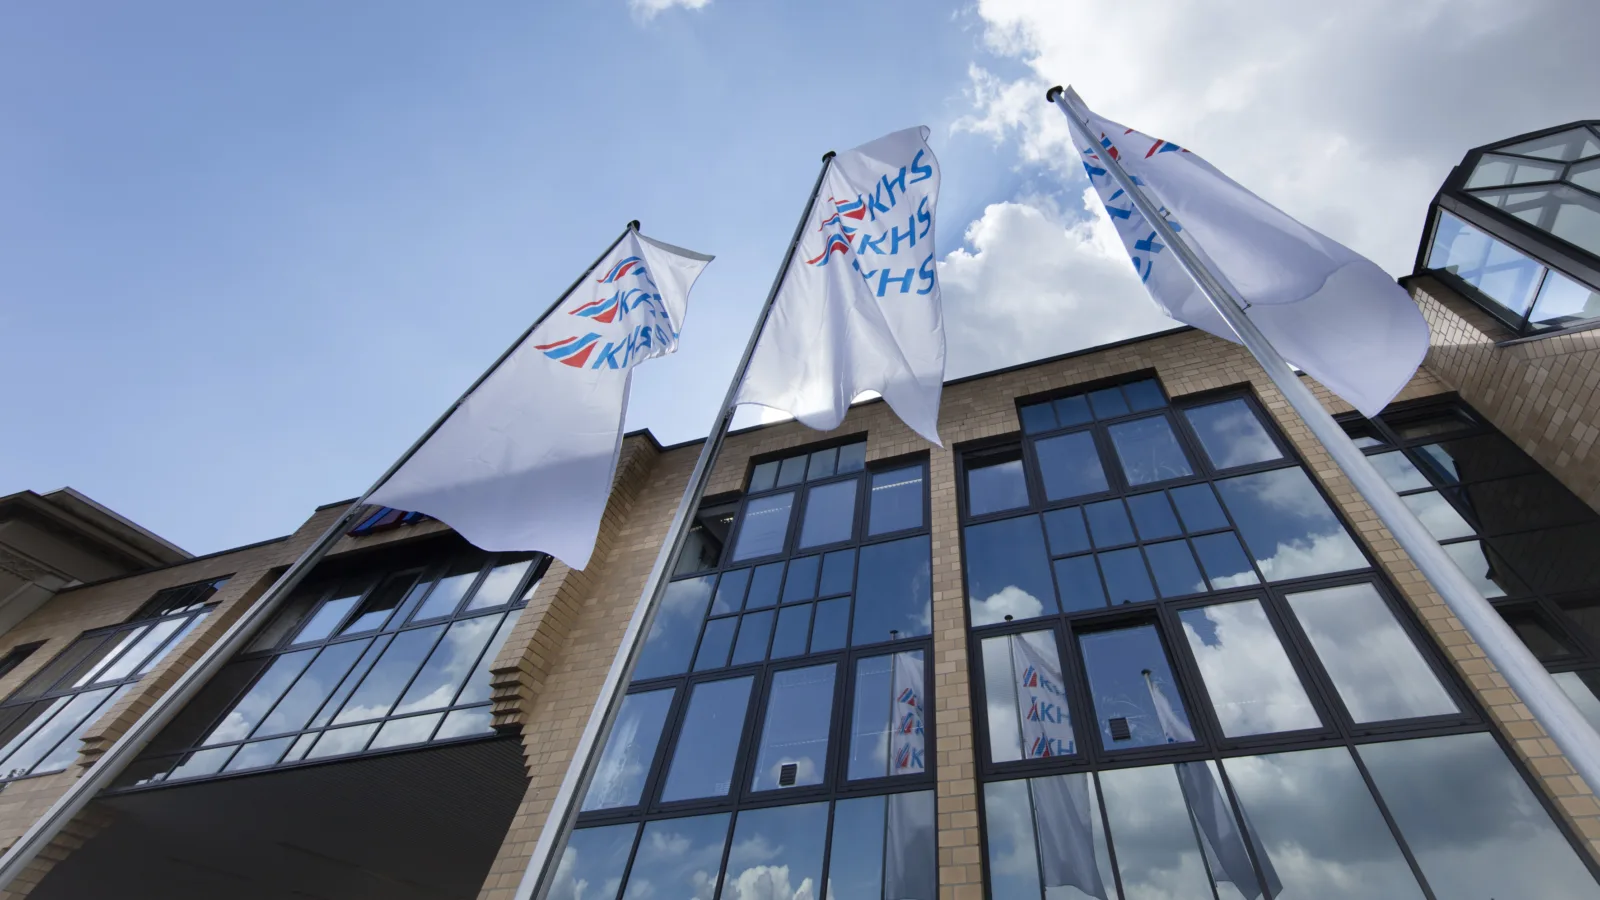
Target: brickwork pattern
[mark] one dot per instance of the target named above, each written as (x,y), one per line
(1543,394)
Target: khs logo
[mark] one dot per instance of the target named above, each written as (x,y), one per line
(911,723)
(845,230)
(909,758)
(594,352)
(909,698)
(1043,747)
(1046,712)
(1032,679)
(1144,250)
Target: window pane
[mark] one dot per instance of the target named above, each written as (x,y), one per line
(1066,531)
(1504,275)
(1472,559)
(20,732)
(855,856)
(1288,527)
(1174,569)
(1253,687)
(1562,301)
(1108,402)
(801,581)
(838,573)
(886,730)
(678,858)
(43,680)
(1397,469)
(342,741)
(1157,837)
(764,585)
(1129,679)
(792,470)
(822,463)
(830,629)
(764,477)
(1069,465)
(764,528)
(755,632)
(346,687)
(896,500)
(1127,581)
(1013,853)
(203,762)
(1231,434)
(1073,411)
(795,733)
(1071,837)
(1008,571)
(1078,580)
(1224,561)
(389,676)
(306,697)
(852,457)
(326,619)
(479,684)
(449,665)
(1378,671)
(1438,516)
(593,860)
(794,623)
(702,763)
(1536,633)
(1583,689)
(499,586)
(788,865)
(1025,698)
(258,701)
(1108,523)
(666,650)
(708,535)
(730,592)
(258,755)
(1316,827)
(380,603)
(830,514)
(1471,822)
(1143,395)
(714,644)
(1153,517)
(140,650)
(1149,450)
(447,594)
(464,723)
(996,486)
(1037,417)
(55,744)
(407,730)
(401,615)
(89,669)
(630,749)
(894,591)
(1198,507)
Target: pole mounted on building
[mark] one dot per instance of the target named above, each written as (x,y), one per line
(1525,674)
(111,763)
(580,771)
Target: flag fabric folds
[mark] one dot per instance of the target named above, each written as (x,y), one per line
(1066,834)
(907,749)
(1327,309)
(1041,703)
(526,461)
(858,308)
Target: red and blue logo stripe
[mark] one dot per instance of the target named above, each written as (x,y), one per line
(632,265)
(572,351)
(601,310)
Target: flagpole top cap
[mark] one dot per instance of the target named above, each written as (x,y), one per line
(828,156)
(633,225)
(1050,95)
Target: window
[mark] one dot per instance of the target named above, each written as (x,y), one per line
(380,658)
(1190,678)
(784,687)
(1515,531)
(17,655)
(1512,217)
(42,721)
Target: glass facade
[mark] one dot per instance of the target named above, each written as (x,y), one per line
(1518,227)
(1192,681)
(381,658)
(775,737)
(42,721)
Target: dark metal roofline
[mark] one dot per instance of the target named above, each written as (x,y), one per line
(1542,132)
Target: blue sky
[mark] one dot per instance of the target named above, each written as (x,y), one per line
(252,250)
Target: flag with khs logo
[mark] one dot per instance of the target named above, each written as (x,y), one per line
(1041,703)
(526,461)
(858,309)
(1326,308)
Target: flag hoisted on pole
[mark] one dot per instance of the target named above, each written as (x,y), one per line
(1525,674)
(526,461)
(859,308)
(1327,309)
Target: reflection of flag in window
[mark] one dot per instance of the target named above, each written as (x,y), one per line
(906,715)
(1220,840)
(1041,703)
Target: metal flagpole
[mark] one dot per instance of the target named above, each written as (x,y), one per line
(116,758)
(580,771)
(1526,675)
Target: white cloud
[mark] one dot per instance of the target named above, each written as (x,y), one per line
(1348,116)
(1008,601)
(1036,284)
(645,10)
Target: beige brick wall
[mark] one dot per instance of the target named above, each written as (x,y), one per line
(1543,394)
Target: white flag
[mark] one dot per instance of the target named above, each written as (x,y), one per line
(1174,726)
(906,717)
(1327,309)
(859,309)
(1041,703)
(526,462)
(1062,813)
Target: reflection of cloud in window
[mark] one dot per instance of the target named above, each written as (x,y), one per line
(768,883)
(1008,601)
(1253,688)
(1323,553)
